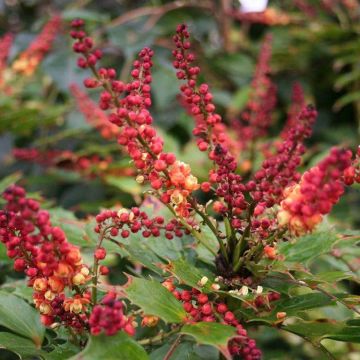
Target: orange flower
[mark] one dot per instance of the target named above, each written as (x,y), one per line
(76,304)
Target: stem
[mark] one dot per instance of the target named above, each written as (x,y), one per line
(173,348)
(195,233)
(159,338)
(211,226)
(238,259)
(96,266)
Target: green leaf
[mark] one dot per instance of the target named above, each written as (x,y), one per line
(125,184)
(308,247)
(240,98)
(346,99)
(24,348)
(18,316)
(190,275)
(317,331)
(346,79)
(9,180)
(186,350)
(294,306)
(62,352)
(73,228)
(156,300)
(210,333)
(120,346)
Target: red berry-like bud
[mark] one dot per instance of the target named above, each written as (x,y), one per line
(19,264)
(100,254)
(205,186)
(221,308)
(104,270)
(229,316)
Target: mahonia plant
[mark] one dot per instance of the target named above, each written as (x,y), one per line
(249,215)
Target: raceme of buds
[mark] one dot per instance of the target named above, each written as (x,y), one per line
(257,117)
(210,131)
(280,170)
(124,222)
(297,104)
(43,253)
(29,59)
(109,317)
(197,98)
(319,189)
(129,104)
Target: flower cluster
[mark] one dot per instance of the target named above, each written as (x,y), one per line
(42,252)
(29,59)
(319,189)
(228,185)
(257,117)
(93,114)
(200,308)
(130,103)
(279,171)
(297,104)
(197,98)
(109,317)
(210,131)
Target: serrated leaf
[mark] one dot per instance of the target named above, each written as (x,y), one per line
(317,331)
(308,247)
(18,316)
(139,253)
(190,275)
(154,299)
(210,333)
(120,346)
(294,306)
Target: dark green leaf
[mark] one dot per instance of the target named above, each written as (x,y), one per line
(317,331)
(18,316)
(25,348)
